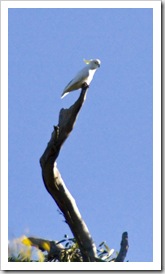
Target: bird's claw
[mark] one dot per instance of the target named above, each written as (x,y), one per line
(85,85)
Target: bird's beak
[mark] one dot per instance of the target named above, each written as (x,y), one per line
(86,61)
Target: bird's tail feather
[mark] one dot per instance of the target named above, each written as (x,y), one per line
(64,94)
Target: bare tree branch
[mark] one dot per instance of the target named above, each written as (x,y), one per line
(61,195)
(124,248)
(56,186)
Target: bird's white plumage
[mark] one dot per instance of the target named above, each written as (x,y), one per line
(83,76)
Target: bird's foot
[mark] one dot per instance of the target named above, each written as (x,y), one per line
(85,85)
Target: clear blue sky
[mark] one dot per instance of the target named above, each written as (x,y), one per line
(106,162)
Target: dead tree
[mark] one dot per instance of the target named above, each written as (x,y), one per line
(56,186)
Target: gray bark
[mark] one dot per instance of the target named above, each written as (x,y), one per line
(123,249)
(56,186)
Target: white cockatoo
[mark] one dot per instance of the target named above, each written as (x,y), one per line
(83,76)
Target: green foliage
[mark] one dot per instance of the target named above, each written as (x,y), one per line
(38,250)
(105,254)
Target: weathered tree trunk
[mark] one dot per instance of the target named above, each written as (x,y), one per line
(55,185)
(61,195)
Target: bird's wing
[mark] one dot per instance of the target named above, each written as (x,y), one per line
(77,81)
(69,84)
(82,74)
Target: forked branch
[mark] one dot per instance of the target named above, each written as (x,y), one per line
(57,189)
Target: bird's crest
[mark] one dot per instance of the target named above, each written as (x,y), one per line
(86,61)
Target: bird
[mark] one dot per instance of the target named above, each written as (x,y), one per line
(84,76)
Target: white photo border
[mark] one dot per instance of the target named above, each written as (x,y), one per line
(156,264)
